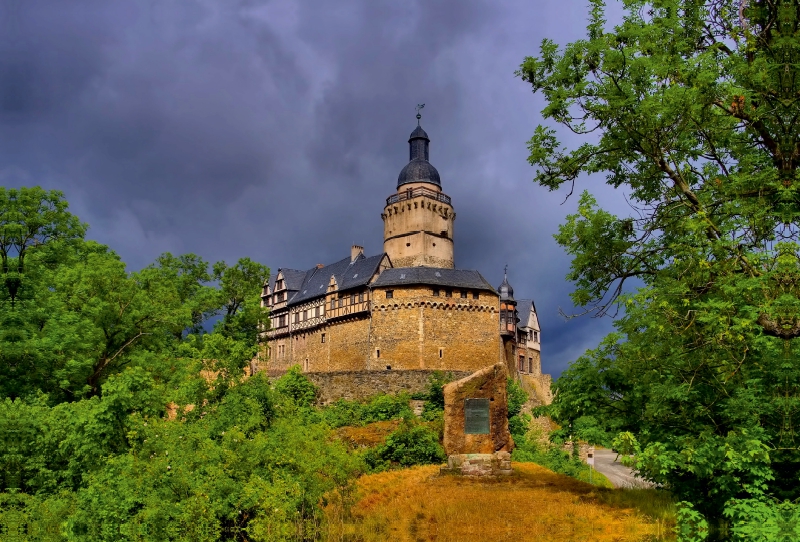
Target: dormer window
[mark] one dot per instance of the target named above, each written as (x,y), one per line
(279,284)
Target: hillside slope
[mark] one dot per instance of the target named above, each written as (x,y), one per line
(534,504)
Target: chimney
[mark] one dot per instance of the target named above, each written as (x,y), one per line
(320,266)
(355,250)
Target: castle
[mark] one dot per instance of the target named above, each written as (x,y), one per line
(387,321)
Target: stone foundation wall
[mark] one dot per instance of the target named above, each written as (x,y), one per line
(537,388)
(362,384)
(496,464)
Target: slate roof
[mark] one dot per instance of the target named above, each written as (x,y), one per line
(524,307)
(348,275)
(457,278)
(292,278)
(419,171)
(418,132)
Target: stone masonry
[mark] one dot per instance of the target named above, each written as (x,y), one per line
(475,449)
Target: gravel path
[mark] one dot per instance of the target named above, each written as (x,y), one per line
(617,473)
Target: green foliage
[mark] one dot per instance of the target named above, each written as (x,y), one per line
(433,408)
(414,443)
(297,387)
(379,408)
(693,109)
(759,520)
(517,422)
(91,355)
(516,397)
(529,449)
(240,298)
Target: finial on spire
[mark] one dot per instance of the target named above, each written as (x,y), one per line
(419,106)
(505,272)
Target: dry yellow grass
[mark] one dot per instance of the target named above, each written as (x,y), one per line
(418,505)
(367,436)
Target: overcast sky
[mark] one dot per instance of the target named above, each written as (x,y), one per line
(276,129)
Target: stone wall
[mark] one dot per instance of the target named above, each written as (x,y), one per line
(411,330)
(362,384)
(419,231)
(417,330)
(537,388)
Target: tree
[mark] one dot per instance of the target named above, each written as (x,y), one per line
(693,108)
(240,298)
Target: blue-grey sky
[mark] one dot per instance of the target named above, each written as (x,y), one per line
(276,129)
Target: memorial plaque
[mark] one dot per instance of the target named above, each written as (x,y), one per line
(476,416)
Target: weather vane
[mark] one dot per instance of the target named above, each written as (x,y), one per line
(505,271)
(419,106)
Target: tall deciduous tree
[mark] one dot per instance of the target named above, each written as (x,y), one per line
(693,108)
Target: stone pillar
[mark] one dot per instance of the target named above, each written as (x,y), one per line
(476,437)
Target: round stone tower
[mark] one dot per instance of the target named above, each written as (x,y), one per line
(418,219)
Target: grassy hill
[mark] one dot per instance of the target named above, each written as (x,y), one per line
(417,504)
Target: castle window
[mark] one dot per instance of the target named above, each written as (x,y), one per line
(436,292)
(333,304)
(522,363)
(448,293)
(441,352)
(463,294)
(296,317)
(360,297)
(530,365)
(475,295)
(536,336)
(389,294)
(316,310)
(323,337)
(377,352)
(279,285)
(353,299)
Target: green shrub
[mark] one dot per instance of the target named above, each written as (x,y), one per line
(383,408)
(297,387)
(412,444)
(379,408)
(434,396)
(528,450)
(516,397)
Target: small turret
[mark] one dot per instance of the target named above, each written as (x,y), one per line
(508,307)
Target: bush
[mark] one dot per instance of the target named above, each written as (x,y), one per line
(434,396)
(529,450)
(413,444)
(297,387)
(379,408)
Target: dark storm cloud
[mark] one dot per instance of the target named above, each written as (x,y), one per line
(276,130)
